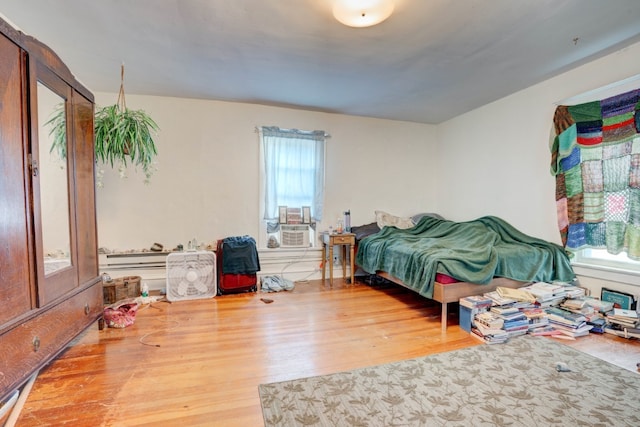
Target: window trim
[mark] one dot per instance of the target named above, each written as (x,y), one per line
(600,258)
(610,270)
(263,234)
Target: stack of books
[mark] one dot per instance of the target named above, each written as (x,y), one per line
(547,330)
(487,326)
(623,318)
(489,319)
(498,299)
(558,309)
(567,322)
(515,322)
(598,324)
(623,323)
(624,332)
(574,291)
(577,305)
(599,305)
(489,335)
(546,294)
(476,302)
(505,310)
(502,295)
(537,318)
(469,307)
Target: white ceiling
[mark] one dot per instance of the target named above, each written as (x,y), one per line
(430,61)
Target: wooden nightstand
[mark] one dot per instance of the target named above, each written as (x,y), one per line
(344,240)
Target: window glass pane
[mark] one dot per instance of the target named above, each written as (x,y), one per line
(294,170)
(600,257)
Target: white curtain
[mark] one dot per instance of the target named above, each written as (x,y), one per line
(294,170)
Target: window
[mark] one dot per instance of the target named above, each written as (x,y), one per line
(293,175)
(602,258)
(596,162)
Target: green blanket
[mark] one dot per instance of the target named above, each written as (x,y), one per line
(473,251)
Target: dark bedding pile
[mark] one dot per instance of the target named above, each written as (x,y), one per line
(473,251)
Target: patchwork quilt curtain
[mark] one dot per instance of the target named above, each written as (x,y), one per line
(596,162)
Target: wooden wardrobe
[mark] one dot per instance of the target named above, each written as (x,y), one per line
(50,289)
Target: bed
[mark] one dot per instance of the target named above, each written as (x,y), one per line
(445,260)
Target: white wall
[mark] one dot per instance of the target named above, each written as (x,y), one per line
(207,183)
(495,160)
(491,161)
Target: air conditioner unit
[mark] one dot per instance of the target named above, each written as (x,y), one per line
(294,236)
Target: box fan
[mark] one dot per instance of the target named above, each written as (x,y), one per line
(191,275)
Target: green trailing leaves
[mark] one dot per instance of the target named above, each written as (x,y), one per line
(122,137)
(58,131)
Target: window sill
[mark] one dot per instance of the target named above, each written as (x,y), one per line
(607,273)
(294,249)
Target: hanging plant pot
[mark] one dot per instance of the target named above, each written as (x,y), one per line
(122,136)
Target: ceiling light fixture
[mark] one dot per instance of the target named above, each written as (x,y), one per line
(362,13)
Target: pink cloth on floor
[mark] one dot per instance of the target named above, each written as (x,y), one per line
(121,314)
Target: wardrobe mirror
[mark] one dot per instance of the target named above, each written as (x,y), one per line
(53,171)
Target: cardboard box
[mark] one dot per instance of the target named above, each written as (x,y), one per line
(465,318)
(121,288)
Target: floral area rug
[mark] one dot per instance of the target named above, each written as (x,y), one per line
(529,381)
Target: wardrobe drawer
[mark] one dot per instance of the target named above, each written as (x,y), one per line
(30,345)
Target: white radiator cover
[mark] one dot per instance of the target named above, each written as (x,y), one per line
(150,266)
(294,263)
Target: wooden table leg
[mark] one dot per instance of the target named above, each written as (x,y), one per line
(331,265)
(344,262)
(352,262)
(324,261)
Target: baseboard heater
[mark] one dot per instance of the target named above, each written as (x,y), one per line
(151,266)
(133,260)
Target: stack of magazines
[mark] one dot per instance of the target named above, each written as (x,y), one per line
(567,322)
(623,323)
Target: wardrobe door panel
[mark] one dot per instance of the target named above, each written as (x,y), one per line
(85,189)
(16,287)
(53,189)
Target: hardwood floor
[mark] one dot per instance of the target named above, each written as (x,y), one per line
(199,362)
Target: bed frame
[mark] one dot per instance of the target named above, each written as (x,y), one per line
(452,292)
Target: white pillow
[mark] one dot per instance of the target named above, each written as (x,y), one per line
(385,219)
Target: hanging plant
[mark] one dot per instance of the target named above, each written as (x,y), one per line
(122,136)
(58,131)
